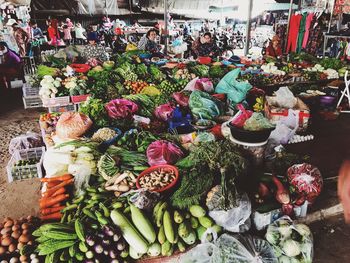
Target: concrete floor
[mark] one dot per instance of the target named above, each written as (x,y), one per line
(330,146)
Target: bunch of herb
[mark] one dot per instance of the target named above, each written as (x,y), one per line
(94,108)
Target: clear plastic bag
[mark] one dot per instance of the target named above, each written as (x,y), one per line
(204,106)
(232,249)
(257,122)
(143,198)
(205,84)
(235,220)
(163,152)
(291,242)
(285,98)
(25,141)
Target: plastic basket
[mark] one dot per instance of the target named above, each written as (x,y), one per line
(15,173)
(79,98)
(28,90)
(63,108)
(58,101)
(32,102)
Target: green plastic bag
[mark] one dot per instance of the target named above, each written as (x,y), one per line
(236,91)
(204,106)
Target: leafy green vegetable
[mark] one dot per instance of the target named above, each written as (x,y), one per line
(156,74)
(200,70)
(145,103)
(94,108)
(45,70)
(216,72)
(129,160)
(333,63)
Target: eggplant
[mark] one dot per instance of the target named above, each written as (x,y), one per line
(115,261)
(116,237)
(121,245)
(101,235)
(113,254)
(106,242)
(89,254)
(89,261)
(106,252)
(90,241)
(108,231)
(98,249)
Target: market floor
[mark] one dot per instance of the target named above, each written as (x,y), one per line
(330,147)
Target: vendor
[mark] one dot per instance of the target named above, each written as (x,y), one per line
(10,66)
(148,43)
(274,49)
(94,50)
(206,47)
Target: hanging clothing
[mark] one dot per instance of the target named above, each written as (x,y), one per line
(301,32)
(293,33)
(309,19)
(315,38)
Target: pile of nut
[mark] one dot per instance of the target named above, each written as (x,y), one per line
(157,179)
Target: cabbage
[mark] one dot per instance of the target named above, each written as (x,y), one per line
(291,248)
(285,231)
(283,259)
(303,230)
(273,237)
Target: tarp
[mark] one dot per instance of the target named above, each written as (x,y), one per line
(100,7)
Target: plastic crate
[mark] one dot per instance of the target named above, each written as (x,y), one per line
(58,101)
(15,173)
(28,90)
(32,102)
(79,98)
(64,108)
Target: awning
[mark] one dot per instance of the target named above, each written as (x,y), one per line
(15,2)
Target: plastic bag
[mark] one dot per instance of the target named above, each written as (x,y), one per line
(25,141)
(204,106)
(121,109)
(236,91)
(163,152)
(235,220)
(285,98)
(306,181)
(232,249)
(181,99)
(257,122)
(144,199)
(72,125)
(191,86)
(241,117)
(285,128)
(164,112)
(205,84)
(290,241)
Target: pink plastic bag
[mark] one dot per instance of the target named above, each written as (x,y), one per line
(163,152)
(163,112)
(181,99)
(240,120)
(205,84)
(121,109)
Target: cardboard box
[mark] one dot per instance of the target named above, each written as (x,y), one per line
(275,113)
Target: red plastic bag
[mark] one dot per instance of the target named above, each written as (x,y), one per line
(163,152)
(181,99)
(163,112)
(121,109)
(240,120)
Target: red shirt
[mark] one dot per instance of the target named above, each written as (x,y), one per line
(270,51)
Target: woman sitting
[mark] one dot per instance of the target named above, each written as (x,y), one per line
(94,50)
(274,49)
(10,66)
(148,43)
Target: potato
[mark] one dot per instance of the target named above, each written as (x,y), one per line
(6,230)
(8,223)
(6,241)
(16,234)
(23,238)
(12,247)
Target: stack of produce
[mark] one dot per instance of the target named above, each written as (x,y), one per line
(54,196)
(135,87)
(48,123)
(16,236)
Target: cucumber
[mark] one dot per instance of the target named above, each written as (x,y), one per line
(142,224)
(197,211)
(79,230)
(168,227)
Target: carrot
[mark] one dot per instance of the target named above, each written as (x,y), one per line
(57,178)
(49,202)
(56,205)
(51,210)
(53,216)
(52,183)
(58,192)
(55,188)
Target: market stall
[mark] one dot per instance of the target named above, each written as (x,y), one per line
(148,159)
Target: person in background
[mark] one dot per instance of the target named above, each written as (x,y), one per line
(22,39)
(36,32)
(67,37)
(274,48)
(52,32)
(206,46)
(344,189)
(11,66)
(94,50)
(151,45)
(79,34)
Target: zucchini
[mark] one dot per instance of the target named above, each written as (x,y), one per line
(142,224)
(168,227)
(130,234)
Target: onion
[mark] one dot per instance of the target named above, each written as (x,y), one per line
(25,226)
(20,245)
(6,230)
(98,249)
(9,223)
(12,247)
(108,231)
(23,238)
(2,250)
(16,234)
(16,227)
(6,241)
